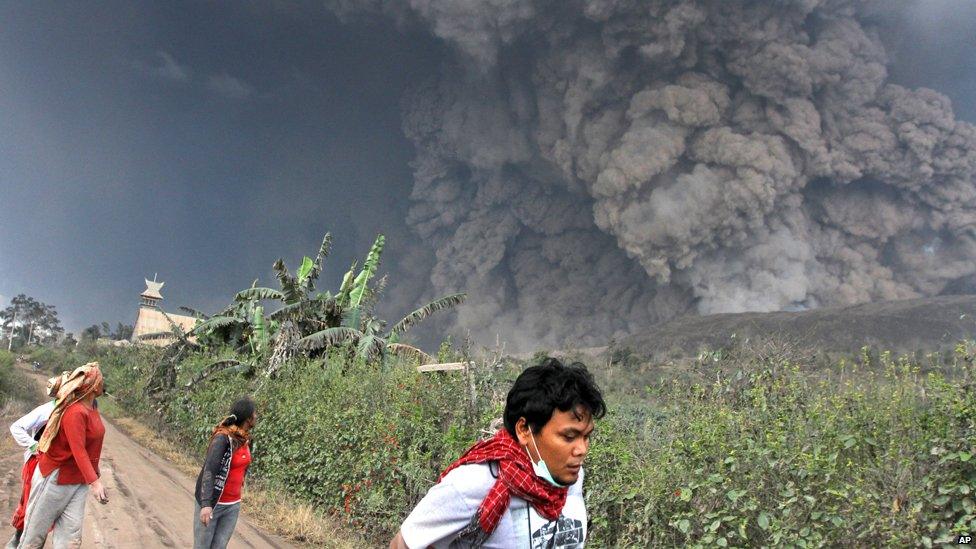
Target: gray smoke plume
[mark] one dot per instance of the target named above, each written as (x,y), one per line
(585,168)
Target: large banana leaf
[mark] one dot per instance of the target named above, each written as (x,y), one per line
(289,286)
(260,328)
(306,309)
(372,326)
(371,346)
(292,311)
(177,330)
(402,349)
(324,250)
(259,294)
(370,267)
(193,312)
(329,337)
(305,269)
(214,323)
(422,313)
(351,318)
(346,287)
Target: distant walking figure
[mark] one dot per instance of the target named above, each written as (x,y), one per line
(67,464)
(27,432)
(219,485)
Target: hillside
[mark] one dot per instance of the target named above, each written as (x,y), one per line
(926,324)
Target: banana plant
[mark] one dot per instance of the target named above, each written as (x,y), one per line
(260,338)
(370,343)
(310,322)
(354,290)
(370,266)
(243,323)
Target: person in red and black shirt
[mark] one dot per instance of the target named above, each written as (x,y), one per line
(221,480)
(67,465)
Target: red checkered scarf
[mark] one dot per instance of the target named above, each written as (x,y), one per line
(515,478)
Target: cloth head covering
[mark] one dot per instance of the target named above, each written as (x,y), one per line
(71,389)
(54,383)
(515,478)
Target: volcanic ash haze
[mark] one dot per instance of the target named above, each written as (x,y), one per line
(587,168)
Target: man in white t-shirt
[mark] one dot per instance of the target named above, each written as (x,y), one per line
(524,486)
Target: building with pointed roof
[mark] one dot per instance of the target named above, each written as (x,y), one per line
(153,324)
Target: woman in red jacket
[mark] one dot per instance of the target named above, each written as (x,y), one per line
(221,479)
(67,468)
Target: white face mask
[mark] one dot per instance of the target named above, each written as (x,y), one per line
(540,467)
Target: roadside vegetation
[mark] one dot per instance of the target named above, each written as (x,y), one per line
(753,444)
(742,447)
(15,388)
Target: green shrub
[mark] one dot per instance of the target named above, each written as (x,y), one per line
(14,386)
(56,360)
(773,455)
(738,451)
(6,360)
(359,442)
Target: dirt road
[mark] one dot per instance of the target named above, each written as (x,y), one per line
(150,501)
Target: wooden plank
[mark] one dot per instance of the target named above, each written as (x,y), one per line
(447,366)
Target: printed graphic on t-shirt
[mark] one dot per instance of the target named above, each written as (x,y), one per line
(563,533)
(443,518)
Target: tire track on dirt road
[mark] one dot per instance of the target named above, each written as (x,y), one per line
(150,501)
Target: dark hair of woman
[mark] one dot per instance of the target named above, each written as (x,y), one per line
(241,411)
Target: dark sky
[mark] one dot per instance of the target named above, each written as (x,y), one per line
(193,140)
(202,140)
(933,46)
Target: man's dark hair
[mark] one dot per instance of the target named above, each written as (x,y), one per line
(542,389)
(241,411)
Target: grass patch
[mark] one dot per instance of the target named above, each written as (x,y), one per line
(296,520)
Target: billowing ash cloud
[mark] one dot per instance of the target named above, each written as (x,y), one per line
(585,168)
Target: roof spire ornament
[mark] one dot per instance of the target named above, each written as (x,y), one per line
(151,296)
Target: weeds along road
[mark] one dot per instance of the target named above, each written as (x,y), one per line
(150,501)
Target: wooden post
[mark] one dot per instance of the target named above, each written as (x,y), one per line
(472,392)
(445,367)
